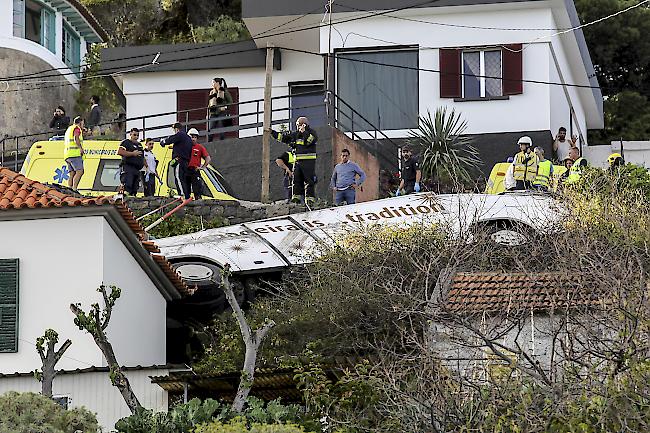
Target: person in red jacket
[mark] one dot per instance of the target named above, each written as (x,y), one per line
(199,159)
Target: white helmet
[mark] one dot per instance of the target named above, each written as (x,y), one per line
(525,140)
(193,131)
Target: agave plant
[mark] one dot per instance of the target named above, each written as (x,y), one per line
(446,154)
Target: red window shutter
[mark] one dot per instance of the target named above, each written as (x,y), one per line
(450,84)
(512,56)
(196,100)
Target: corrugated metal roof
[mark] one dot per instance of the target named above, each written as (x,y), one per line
(95,369)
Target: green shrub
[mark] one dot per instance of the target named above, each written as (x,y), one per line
(239,425)
(32,413)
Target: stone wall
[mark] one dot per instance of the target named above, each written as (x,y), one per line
(28,106)
(235,212)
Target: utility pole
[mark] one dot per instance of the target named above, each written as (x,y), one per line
(266,136)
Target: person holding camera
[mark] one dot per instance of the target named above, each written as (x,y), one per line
(60,121)
(219,102)
(525,164)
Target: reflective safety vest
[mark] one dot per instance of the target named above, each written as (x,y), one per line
(525,170)
(301,154)
(543,173)
(576,171)
(292,157)
(71,150)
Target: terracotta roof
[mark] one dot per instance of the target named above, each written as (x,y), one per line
(510,292)
(18,192)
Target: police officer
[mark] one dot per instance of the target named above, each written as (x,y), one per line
(303,141)
(286,162)
(131,152)
(525,164)
(181,153)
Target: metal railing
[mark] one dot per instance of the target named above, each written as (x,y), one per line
(346,118)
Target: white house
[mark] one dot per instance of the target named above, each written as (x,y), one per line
(510,67)
(57,250)
(42,45)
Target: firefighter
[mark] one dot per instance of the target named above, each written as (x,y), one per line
(544,171)
(303,141)
(525,164)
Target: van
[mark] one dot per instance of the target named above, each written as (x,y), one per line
(44,163)
(495,183)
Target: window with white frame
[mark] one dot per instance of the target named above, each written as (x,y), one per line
(19,18)
(35,21)
(482,74)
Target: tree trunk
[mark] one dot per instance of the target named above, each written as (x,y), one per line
(118,378)
(46,381)
(252,340)
(50,359)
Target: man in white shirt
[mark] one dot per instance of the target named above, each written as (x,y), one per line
(562,146)
(149,173)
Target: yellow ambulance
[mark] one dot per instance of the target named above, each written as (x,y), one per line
(44,163)
(495,183)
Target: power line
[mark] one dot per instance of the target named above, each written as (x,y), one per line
(584,86)
(288,31)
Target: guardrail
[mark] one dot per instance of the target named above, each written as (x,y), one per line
(345,117)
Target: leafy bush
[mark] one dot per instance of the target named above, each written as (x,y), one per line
(239,425)
(175,226)
(32,413)
(183,418)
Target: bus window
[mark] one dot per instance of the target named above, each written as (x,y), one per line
(107,177)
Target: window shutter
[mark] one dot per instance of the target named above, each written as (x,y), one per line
(197,100)
(512,69)
(8,305)
(450,78)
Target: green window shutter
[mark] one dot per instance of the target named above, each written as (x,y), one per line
(8,305)
(48,24)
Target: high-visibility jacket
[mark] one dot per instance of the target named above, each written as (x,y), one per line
(304,143)
(525,170)
(71,150)
(544,169)
(292,157)
(576,170)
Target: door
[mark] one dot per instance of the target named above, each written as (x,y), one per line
(307,99)
(192,107)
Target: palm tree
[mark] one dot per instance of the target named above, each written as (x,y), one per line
(446,154)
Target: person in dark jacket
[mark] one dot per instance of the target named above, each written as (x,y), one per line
(60,121)
(181,153)
(95,116)
(219,101)
(303,141)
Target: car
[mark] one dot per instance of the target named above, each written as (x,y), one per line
(44,163)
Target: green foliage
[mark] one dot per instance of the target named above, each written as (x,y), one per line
(222,29)
(183,418)
(94,84)
(627,116)
(446,154)
(239,425)
(33,413)
(86,321)
(175,226)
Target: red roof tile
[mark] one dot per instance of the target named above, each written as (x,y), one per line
(19,192)
(510,292)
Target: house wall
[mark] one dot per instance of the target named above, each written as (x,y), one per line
(150,93)
(137,328)
(94,391)
(64,261)
(531,111)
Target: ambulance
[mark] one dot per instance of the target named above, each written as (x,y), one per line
(44,163)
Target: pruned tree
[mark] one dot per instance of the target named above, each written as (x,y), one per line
(50,357)
(252,341)
(95,323)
